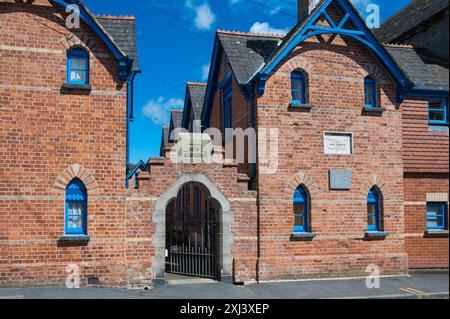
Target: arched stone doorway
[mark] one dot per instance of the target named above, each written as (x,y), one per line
(192,233)
(223,238)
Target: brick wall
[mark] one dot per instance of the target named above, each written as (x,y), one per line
(243,228)
(339,218)
(423,251)
(241,113)
(43,133)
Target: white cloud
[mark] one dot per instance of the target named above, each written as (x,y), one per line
(264,27)
(204,17)
(159,110)
(205,71)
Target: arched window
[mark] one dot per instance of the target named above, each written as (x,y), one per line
(77,66)
(298,87)
(76,208)
(370,92)
(374,210)
(301,210)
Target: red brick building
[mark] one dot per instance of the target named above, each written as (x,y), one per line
(425,128)
(357,124)
(64,92)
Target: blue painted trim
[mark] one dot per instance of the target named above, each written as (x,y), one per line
(227,109)
(370,86)
(130,107)
(301,198)
(226,81)
(77,52)
(125,62)
(403,93)
(211,87)
(76,192)
(373,198)
(444,111)
(442,215)
(89,20)
(140,165)
(300,77)
(251,96)
(362,34)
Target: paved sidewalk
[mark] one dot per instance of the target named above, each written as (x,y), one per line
(417,286)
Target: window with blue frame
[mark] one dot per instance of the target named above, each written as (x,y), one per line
(436,215)
(298,87)
(76,208)
(438,111)
(77,66)
(227,109)
(301,210)
(374,210)
(370,92)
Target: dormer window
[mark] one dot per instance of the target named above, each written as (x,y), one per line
(78,66)
(370,92)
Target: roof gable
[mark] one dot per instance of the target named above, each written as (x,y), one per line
(246,53)
(351,25)
(125,62)
(194,100)
(123,31)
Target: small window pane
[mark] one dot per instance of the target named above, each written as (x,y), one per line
(299,209)
(78,76)
(434,222)
(434,209)
(437,116)
(372,220)
(299,221)
(437,104)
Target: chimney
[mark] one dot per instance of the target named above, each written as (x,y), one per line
(305,7)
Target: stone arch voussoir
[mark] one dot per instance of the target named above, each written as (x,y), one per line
(298,179)
(226,222)
(297,63)
(75,171)
(377,181)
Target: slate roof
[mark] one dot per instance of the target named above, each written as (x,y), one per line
(407,19)
(165,137)
(197,93)
(123,31)
(176,118)
(423,71)
(247,52)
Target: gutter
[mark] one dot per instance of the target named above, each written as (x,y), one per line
(130,116)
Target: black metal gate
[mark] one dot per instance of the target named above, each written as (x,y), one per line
(191,242)
(191,260)
(194,257)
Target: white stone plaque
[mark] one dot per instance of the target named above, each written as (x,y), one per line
(338,143)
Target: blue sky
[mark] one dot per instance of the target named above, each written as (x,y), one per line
(175,40)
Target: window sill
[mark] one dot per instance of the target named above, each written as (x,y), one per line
(76,88)
(373,110)
(375,235)
(303,236)
(436,233)
(74,239)
(300,107)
